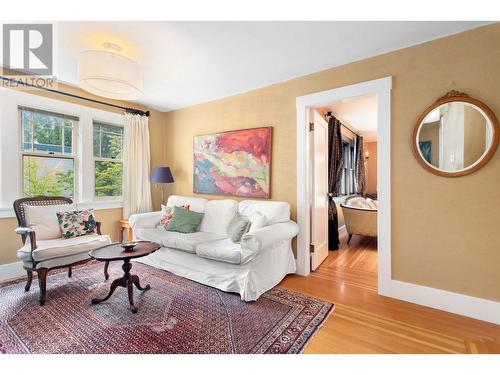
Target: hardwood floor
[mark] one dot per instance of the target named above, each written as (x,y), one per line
(364,322)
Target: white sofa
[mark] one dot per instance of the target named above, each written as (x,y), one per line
(208,256)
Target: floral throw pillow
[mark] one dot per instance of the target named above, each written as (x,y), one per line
(168,214)
(77,223)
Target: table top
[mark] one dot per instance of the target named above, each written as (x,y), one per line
(116,252)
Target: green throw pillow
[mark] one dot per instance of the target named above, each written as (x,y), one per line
(184,221)
(238,227)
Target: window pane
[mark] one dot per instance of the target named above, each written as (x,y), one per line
(26,121)
(108,178)
(97,140)
(68,136)
(108,141)
(43,132)
(48,176)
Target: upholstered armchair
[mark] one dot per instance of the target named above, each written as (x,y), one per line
(360,216)
(44,249)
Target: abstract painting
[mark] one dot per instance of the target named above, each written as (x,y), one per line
(426,150)
(233,163)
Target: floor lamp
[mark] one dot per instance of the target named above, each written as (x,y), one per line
(162,175)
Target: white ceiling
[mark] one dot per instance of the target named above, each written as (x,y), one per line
(187,63)
(360,114)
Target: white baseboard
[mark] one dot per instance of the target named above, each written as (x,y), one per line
(460,304)
(342,230)
(11,270)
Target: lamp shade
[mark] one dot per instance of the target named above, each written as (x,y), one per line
(110,75)
(162,175)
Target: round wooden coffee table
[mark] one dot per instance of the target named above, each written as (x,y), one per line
(117,252)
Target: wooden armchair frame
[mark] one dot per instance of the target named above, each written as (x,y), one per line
(26,232)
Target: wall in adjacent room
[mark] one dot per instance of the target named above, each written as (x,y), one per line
(444,230)
(11,242)
(371,167)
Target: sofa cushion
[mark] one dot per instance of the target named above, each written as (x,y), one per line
(160,236)
(221,250)
(189,241)
(274,211)
(195,204)
(176,240)
(43,219)
(218,215)
(56,248)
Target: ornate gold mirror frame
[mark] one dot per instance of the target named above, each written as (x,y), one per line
(455,96)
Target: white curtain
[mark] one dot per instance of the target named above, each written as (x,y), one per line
(136,157)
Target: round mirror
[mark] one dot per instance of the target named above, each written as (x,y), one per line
(455,136)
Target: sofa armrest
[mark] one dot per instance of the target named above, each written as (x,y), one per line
(268,236)
(147,220)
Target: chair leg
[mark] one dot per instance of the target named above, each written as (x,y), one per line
(28,282)
(70,271)
(42,283)
(106,274)
(349,239)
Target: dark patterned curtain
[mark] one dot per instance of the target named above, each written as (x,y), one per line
(335,165)
(335,161)
(360,177)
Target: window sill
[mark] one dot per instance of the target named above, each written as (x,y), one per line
(100,205)
(7,212)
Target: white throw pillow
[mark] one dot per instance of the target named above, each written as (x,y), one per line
(43,220)
(257,221)
(373,204)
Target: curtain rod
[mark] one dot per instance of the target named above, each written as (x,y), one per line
(126,109)
(345,126)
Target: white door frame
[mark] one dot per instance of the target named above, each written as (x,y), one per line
(474,307)
(382,88)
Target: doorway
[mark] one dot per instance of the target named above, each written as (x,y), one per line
(343,167)
(379,88)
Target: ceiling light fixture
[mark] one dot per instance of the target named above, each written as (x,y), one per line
(111,75)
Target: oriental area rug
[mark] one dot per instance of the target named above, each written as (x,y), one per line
(176,315)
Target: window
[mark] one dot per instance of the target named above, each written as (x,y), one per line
(347,186)
(47,152)
(108,160)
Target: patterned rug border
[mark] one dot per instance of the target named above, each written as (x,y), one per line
(300,343)
(326,315)
(318,327)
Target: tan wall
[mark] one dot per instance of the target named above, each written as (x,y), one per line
(371,167)
(11,242)
(444,230)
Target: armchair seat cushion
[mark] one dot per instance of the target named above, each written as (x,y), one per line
(57,248)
